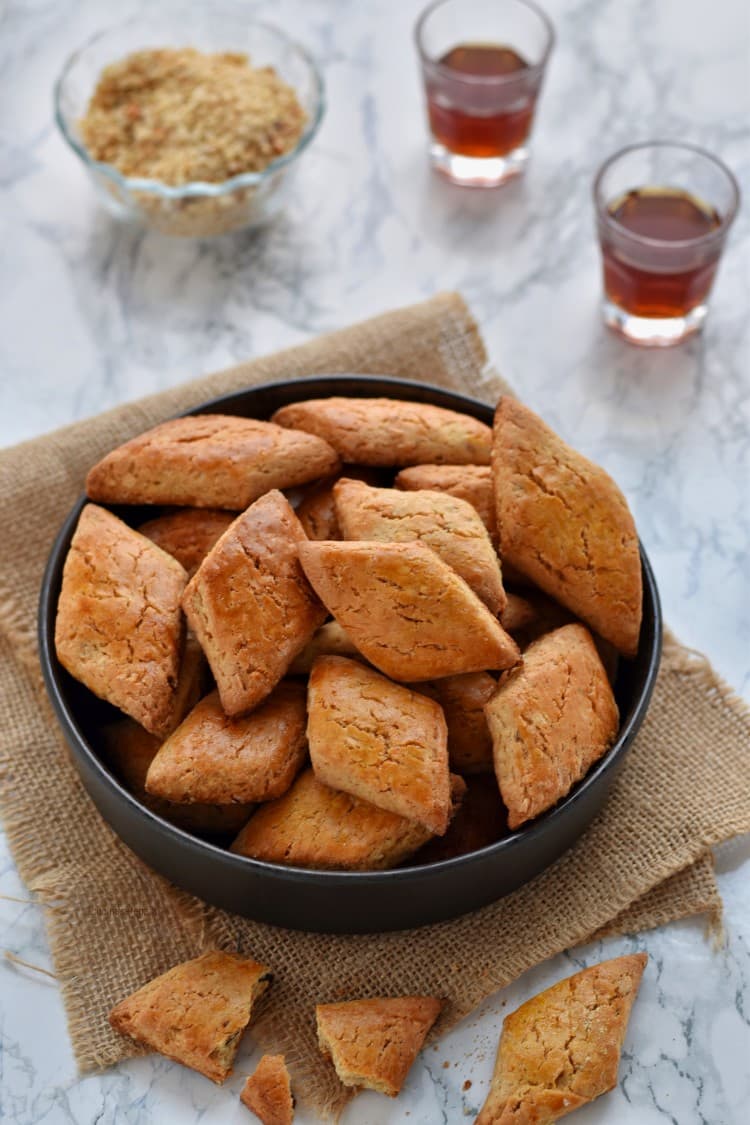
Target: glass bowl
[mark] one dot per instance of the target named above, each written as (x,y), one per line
(197,209)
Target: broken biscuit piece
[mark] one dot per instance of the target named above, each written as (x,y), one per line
(218,760)
(196,1012)
(373,1043)
(119,629)
(250,604)
(406,610)
(379,741)
(450,526)
(566,525)
(209,461)
(268,1093)
(550,719)
(389,431)
(315,826)
(562,1048)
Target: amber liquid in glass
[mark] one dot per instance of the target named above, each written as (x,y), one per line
(483,130)
(672,216)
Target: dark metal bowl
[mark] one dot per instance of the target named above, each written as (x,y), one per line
(332,901)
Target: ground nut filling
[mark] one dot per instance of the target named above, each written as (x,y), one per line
(178,116)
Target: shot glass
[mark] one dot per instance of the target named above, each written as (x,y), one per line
(663,213)
(483,62)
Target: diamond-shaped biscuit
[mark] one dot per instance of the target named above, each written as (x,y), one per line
(561,1049)
(388,431)
(209,461)
(318,827)
(379,741)
(472,483)
(373,1043)
(406,610)
(217,760)
(450,526)
(566,525)
(551,718)
(462,699)
(119,629)
(196,1012)
(250,604)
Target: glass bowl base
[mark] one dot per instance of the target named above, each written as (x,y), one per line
(478,171)
(653,331)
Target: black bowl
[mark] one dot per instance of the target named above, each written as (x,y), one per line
(332,901)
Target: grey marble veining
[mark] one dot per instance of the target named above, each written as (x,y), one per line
(94,312)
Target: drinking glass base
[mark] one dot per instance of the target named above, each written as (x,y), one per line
(653,331)
(478,171)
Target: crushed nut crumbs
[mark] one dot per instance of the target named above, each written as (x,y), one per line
(181,115)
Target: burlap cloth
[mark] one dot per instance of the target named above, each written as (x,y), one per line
(113,924)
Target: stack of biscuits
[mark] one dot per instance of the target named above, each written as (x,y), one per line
(363,633)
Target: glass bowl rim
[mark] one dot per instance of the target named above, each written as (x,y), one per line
(194,188)
(608,220)
(485,79)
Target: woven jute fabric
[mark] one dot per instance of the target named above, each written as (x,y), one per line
(113,924)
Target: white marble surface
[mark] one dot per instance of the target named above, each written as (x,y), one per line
(93,313)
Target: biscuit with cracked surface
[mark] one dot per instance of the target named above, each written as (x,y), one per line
(318,827)
(389,431)
(196,1012)
(129,750)
(268,1092)
(373,1043)
(561,1049)
(450,526)
(250,604)
(209,461)
(217,760)
(406,610)
(188,534)
(317,510)
(379,741)
(566,525)
(119,629)
(472,483)
(551,718)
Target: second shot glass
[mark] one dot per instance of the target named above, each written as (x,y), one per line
(483,63)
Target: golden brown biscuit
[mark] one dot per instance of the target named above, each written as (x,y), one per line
(196,1012)
(388,431)
(250,605)
(378,741)
(217,760)
(480,820)
(191,679)
(188,534)
(406,610)
(561,1049)
(472,483)
(317,510)
(119,629)
(314,826)
(129,750)
(550,720)
(373,1043)
(462,699)
(268,1092)
(330,640)
(564,522)
(209,461)
(450,526)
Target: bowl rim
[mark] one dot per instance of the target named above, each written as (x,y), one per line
(537,828)
(194,188)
